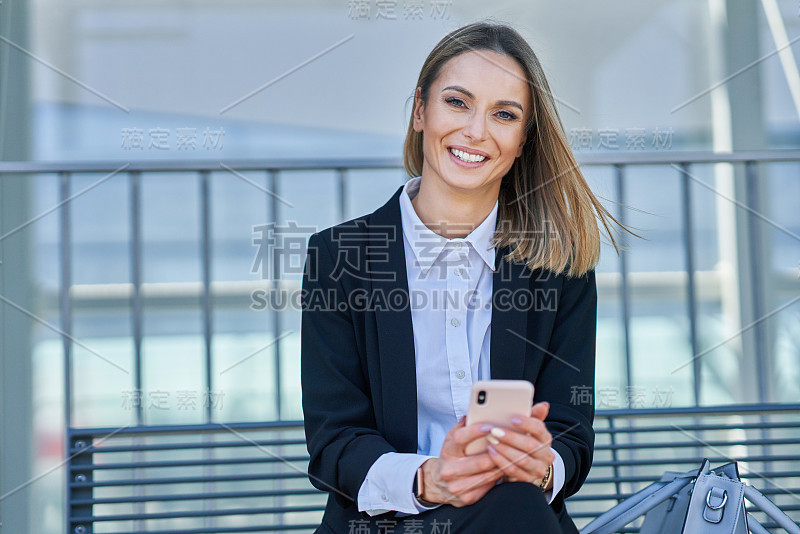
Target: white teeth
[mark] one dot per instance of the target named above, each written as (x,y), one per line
(464,156)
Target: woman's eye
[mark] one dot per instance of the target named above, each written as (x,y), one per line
(507,115)
(454,101)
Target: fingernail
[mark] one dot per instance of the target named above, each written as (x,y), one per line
(516,420)
(486,428)
(492,450)
(498,432)
(492,440)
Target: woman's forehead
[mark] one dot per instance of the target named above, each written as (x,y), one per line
(485,73)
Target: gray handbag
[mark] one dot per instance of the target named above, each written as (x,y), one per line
(708,501)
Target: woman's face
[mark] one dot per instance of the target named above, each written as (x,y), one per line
(473,123)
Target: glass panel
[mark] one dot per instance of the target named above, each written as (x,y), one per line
(659,314)
(102,357)
(173,348)
(782,234)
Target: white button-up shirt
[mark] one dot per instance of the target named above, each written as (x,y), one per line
(450,285)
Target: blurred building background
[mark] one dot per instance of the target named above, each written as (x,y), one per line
(169,136)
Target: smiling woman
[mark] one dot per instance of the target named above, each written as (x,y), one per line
(548,211)
(496,210)
(474,127)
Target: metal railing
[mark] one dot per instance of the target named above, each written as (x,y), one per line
(217,478)
(130,296)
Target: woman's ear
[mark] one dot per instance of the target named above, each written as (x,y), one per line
(521,144)
(419,119)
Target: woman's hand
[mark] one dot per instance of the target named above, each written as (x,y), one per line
(455,478)
(523,453)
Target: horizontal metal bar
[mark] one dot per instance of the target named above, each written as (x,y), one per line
(700,427)
(186,480)
(101,432)
(599,497)
(218,530)
(196,513)
(582,497)
(609,158)
(685,157)
(322,164)
(689,460)
(783,507)
(645,478)
(731,409)
(95,449)
(188,463)
(198,496)
(704,443)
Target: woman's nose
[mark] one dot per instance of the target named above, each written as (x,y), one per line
(475,128)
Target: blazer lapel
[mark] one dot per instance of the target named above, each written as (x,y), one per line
(509,325)
(387,271)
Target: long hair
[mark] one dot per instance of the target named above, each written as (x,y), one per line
(547,214)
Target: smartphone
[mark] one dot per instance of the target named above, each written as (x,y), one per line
(495,402)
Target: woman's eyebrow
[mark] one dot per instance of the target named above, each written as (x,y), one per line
(470,95)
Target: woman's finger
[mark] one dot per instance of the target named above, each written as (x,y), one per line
(460,435)
(540,410)
(455,468)
(517,465)
(525,443)
(532,427)
(464,489)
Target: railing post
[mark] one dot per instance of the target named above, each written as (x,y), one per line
(623,265)
(688,241)
(79,486)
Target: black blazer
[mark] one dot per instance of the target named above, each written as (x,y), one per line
(357,355)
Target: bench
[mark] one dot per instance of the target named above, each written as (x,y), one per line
(251,477)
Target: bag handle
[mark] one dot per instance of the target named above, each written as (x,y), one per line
(767,506)
(636,505)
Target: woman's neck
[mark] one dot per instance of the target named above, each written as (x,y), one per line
(451,215)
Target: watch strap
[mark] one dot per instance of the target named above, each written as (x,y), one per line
(546,479)
(419,488)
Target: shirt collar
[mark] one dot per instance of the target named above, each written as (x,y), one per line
(427,245)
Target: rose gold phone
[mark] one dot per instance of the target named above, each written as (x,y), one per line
(495,402)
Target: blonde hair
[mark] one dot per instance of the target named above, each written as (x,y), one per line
(547,212)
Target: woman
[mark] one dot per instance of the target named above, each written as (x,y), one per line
(480,267)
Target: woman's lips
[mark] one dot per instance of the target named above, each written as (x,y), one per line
(465,164)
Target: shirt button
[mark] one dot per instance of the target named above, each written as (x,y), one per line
(460,374)
(455,321)
(457,244)
(458,271)
(384,497)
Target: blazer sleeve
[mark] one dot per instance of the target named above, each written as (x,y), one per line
(340,427)
(568,365)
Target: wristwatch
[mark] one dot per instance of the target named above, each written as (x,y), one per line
(546,479)
(419,489)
